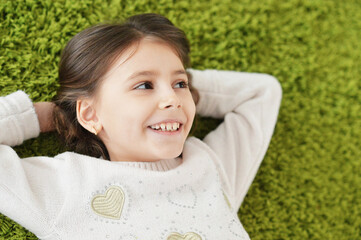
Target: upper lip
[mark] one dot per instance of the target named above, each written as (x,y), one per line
(168,121)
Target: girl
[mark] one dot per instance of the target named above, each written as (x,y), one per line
(126,95)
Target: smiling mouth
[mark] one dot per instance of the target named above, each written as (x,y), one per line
(166,127)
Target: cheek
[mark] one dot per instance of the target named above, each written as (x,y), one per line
(190,109)
(128,117)
(190,104)
(111,113)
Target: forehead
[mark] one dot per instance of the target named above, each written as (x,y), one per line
(147,55)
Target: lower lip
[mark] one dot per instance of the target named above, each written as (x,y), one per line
(167,132)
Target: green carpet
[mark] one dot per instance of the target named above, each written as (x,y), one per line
(309,184)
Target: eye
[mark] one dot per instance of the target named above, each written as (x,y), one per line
(145,85)
(182,84)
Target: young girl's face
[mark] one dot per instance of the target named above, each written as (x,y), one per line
(147,86)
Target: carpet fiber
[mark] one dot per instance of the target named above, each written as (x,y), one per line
(308,186)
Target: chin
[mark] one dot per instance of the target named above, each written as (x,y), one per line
(171,155)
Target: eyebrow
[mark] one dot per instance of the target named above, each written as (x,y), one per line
(153,73)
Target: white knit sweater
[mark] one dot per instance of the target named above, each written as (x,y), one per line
(73,196)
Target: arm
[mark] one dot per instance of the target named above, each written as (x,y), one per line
(20,119)
(249,104)
(31,189)
(44,111)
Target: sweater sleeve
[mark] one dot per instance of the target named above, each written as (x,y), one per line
(32,189)
(18,120)
(249,104)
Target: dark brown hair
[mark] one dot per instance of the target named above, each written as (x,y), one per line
(86,59)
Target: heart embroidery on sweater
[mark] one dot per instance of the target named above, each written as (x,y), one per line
(178,198)
(187,236)
(109,205)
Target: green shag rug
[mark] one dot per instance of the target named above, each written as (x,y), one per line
(309,184)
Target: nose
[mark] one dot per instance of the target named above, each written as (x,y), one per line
(171,101)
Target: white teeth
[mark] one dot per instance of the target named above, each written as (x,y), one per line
(166,126)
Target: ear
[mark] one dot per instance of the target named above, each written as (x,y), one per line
(87,116)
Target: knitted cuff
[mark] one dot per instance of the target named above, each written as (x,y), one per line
(18,120)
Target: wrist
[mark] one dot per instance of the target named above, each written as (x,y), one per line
(44,111)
